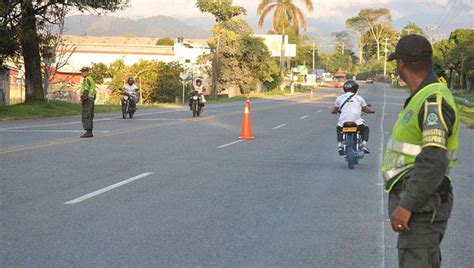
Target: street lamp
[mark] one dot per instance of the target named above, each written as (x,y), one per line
(183,77)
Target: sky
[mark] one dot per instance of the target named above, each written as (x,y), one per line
(446,12)
(441,16)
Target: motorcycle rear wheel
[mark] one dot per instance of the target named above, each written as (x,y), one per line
(350,152)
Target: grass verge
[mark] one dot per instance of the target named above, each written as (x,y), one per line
(43,109)
(466,114)
(467,96)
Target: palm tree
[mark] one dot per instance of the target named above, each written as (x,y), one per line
(285,15)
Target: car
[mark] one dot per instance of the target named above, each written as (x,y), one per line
(369,80)
(339,80)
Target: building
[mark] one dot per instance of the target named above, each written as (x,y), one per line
(12,85)
(85,50)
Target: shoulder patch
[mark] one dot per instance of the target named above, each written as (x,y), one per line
(434,127)
(407,117)
(432,119)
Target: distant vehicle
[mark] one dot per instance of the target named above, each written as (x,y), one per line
(352,143)
(196,103)
(369,80)
(126,106)
(339,79)
(326,78)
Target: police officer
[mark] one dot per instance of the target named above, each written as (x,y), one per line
(419,156)
(88,93)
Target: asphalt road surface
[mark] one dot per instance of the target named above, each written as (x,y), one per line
(168,190)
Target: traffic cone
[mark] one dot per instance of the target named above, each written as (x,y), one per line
(246,125)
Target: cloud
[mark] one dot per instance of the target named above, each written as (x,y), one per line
(331,11)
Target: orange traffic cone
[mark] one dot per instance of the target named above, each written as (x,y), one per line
(246,125)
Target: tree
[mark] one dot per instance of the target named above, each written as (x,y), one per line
(99,72)
(223,11)
(441,51)
(165,42)
(245,60)
(343,40)
(412,28)
(357,25)
(21,21)
(119,72)
(376,22)
(54,49)
(462,55)
(370,49)
(167,85)
(286,14)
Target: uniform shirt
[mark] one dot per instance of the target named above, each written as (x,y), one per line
(352,110)
(432,162)
(130,89)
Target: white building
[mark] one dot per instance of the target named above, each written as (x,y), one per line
(107,49)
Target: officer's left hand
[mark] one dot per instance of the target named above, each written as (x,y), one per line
(399,220)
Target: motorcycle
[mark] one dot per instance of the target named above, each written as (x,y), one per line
(127,108)
(352,144)
(196,103)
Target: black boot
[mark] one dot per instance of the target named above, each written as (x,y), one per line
(88,134)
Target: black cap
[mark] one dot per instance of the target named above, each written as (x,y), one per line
(85,69)
(412,48)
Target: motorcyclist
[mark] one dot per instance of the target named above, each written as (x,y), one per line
(351,105)
(201,90)
(131,89)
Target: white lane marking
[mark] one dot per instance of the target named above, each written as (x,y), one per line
(48,131)
(382,144)
(156,119)
(304,117)
(229,144)
(161,112)
(319,111)
(108,188)
(280,126)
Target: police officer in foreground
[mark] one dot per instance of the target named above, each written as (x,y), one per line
(88,93)
(419,156)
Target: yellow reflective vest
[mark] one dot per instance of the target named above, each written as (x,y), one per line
(408,139)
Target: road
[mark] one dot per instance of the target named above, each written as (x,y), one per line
(169,190)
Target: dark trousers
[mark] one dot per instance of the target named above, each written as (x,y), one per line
(363,129)
(420,247)
(88,114)
(133,102)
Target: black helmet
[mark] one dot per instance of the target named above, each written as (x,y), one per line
(350,86)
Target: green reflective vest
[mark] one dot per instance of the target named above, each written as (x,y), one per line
(88,84)
(407,138)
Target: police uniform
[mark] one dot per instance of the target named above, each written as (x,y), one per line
(88,94)
(417,161)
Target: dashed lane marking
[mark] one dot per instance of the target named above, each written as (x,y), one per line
(229,144)
(49,131)
(108,188)
(280,126)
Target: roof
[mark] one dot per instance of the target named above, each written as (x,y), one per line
(125,41)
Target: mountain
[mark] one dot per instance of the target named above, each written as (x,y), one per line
(158,26)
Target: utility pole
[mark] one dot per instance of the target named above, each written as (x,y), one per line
(461,76)
(385,61)
(215,61)
(432,29)
(343,47)
(314,47)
